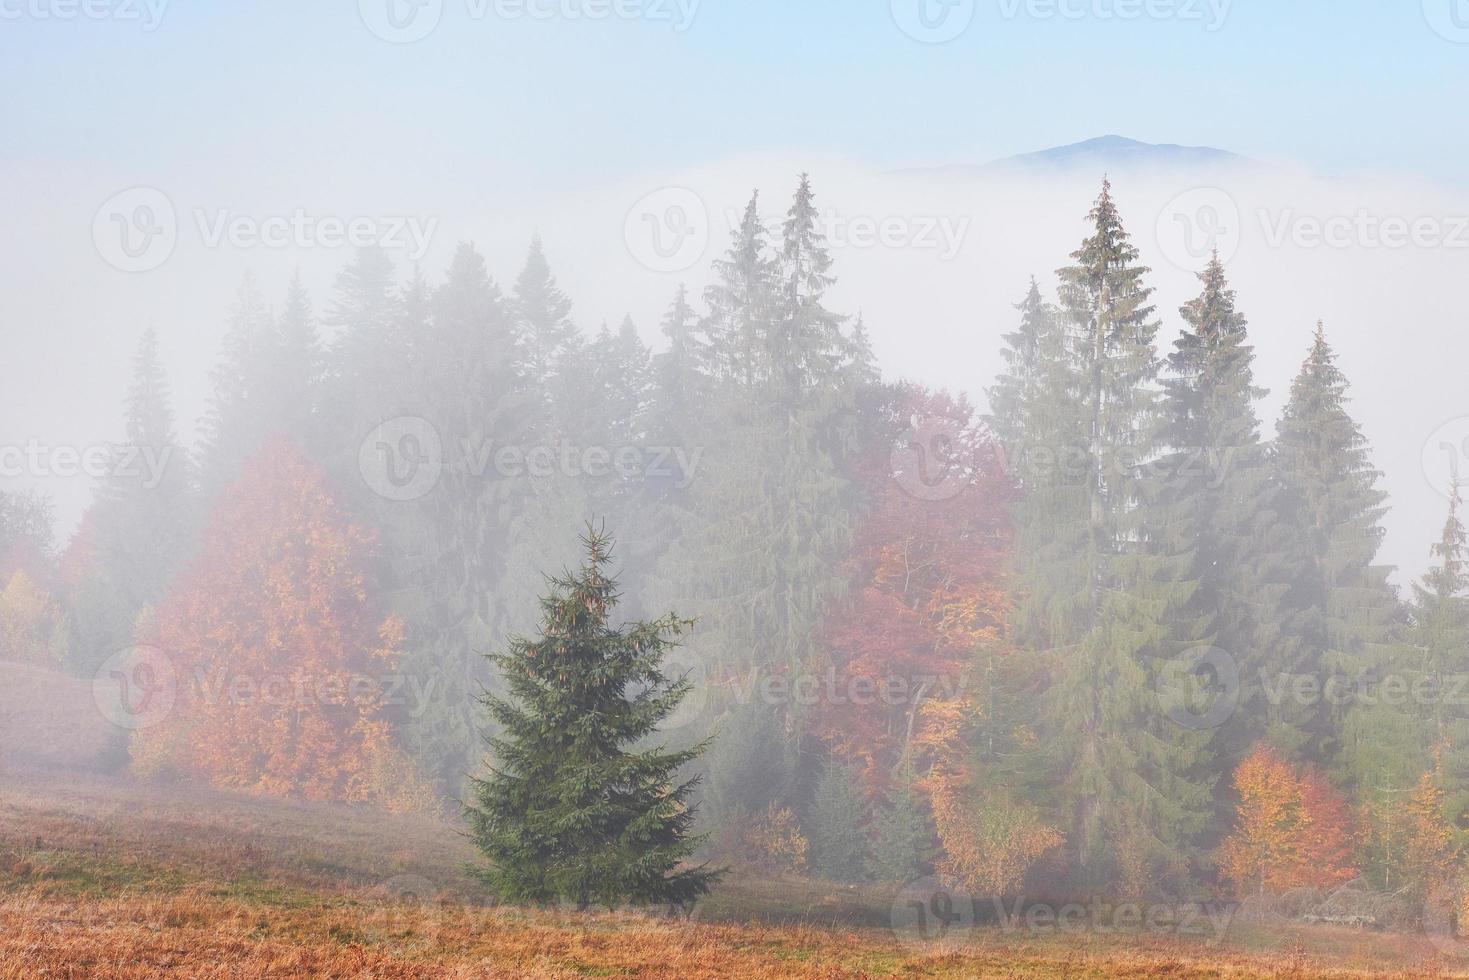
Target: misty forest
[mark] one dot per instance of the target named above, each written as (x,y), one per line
(647,624)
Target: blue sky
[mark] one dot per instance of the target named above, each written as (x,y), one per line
(1339,86)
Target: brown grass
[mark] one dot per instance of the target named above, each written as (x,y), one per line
(101,877)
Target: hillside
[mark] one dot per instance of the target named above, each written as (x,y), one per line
(103,876)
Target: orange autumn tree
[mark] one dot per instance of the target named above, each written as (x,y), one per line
(281,665)
(1291,828)
(1427,854)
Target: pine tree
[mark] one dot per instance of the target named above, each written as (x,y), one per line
(367,369)
(758,557)
(1137,783)
(452,549)
(1322,459)
(1224,506)
(838,844)
(1441,630)
(542,313)
(1037,411)
(138,531)
(241,404)
(298,367)
(902,835)
(741,300)
(569,811)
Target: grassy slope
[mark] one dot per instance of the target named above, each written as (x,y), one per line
(100,876)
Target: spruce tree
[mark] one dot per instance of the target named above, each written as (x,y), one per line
(241,404)
(758,557)
(542,313)
(570,811)
(1441,633)
(1222,504)
(138,532)
(1137,784)
(451,548)
(1322,459)
(902,835)
(838,843)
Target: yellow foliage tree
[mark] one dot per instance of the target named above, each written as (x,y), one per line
(31,627)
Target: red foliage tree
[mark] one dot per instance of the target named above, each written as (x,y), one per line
(281,664)
(929,593)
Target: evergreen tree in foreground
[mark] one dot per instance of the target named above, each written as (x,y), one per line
(569,810)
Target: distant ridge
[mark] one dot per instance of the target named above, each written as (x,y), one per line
(1104,153)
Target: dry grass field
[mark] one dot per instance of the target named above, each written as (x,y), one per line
(103,877)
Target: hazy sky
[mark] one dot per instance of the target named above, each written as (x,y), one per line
(555,116)
(1337,84)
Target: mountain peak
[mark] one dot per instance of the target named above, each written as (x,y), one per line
(1110,154)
